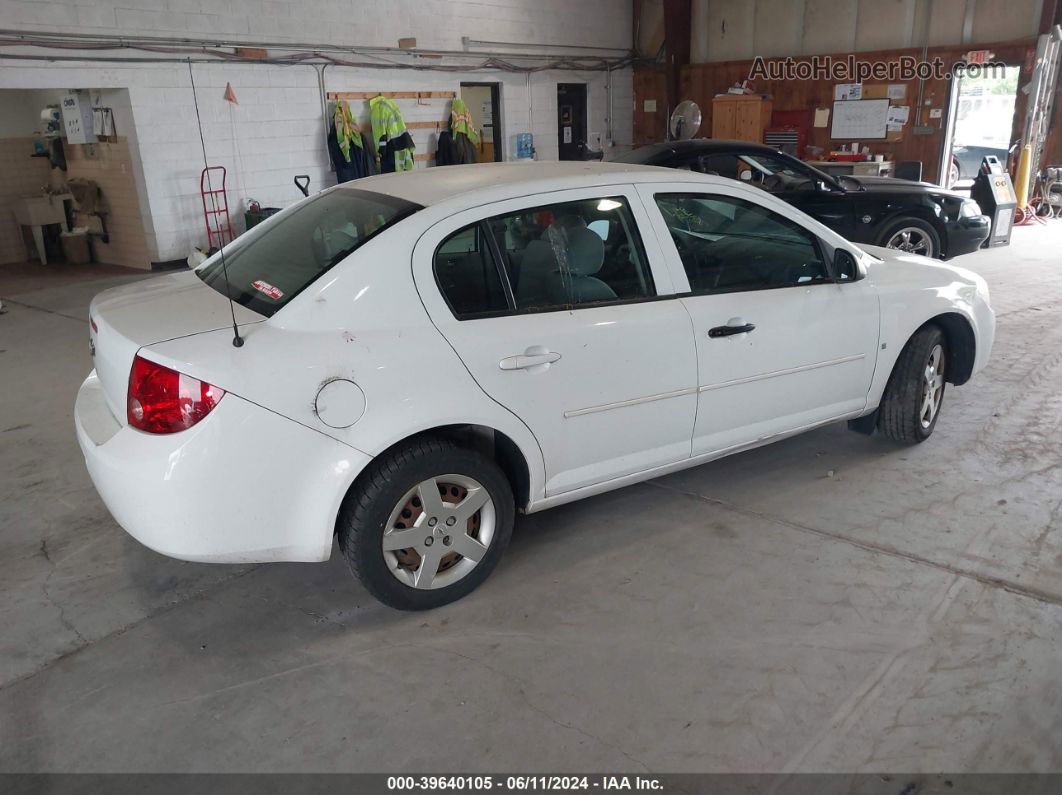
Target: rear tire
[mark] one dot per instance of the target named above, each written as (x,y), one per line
(914,393)
(953,173)
(405,523)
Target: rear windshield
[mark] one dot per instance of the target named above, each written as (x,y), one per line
(268,270)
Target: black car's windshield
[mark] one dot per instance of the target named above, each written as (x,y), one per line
(271,268)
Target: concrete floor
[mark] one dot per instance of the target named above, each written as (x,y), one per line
(759,613)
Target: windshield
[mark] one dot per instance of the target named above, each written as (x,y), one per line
(273,267)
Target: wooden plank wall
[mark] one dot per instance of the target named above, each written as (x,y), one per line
(701,82)
(650,85)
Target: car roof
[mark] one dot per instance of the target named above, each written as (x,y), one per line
(431,186)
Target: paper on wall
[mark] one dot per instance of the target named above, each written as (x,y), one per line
(822,117)
(898,114)
(846,91)
(897,90)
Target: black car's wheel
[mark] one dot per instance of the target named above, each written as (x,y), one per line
(426,523)
(912,235)
(913,396)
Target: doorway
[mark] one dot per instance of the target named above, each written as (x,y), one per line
(980,123)
(91,171)
(484,103)
(571,120)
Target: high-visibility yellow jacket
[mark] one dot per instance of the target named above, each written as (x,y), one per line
(393,141)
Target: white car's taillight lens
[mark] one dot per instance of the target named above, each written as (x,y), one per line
(162,400)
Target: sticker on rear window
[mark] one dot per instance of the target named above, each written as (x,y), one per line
(265,287)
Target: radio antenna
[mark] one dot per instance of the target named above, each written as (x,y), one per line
(237,340)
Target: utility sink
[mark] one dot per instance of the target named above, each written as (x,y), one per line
(41,210)
(37,212)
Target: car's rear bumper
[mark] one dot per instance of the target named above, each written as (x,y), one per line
(967,234)
(244,485)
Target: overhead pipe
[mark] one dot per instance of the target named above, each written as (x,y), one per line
(91,40)
(468,42)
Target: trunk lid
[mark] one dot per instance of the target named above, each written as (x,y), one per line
(125,319)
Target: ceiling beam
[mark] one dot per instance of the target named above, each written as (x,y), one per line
(678,19)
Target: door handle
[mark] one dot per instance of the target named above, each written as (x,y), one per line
(733,326)
(529,359)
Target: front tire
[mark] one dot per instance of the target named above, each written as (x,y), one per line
(426,523)
(914,394)
(911,235)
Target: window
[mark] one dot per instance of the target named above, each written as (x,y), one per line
(573,253)
(771,173)
(552,257)
(729,244)
(467,276)
(269,270)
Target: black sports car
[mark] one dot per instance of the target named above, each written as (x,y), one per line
(910,216)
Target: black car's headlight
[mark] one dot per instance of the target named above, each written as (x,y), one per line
(969,208)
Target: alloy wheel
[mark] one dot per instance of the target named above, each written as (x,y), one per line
(439,531)
(932,386)
(912,240)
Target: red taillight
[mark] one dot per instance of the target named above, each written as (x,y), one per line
(162,400)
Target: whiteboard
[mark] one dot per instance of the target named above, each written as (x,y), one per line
(859,119)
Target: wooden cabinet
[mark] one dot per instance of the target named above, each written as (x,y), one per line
(740,117)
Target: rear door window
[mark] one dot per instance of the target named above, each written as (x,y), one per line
(467,275)
(573,253)
(556,256)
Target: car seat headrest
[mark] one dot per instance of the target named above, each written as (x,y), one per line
(586,252)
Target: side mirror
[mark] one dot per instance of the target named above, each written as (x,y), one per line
(845,266)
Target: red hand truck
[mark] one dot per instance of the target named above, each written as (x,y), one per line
(216,215)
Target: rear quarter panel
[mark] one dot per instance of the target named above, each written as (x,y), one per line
(362,321)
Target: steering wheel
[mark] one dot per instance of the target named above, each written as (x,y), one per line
(774,183)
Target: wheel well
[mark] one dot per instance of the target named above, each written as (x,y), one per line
(918,213)
(962,346)
(490,442)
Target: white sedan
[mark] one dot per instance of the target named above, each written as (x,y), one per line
(412,358)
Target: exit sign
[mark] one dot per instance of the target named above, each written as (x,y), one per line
(978,56)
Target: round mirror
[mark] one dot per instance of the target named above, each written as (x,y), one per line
(685,121)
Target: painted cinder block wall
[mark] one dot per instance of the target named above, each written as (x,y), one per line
(277,130)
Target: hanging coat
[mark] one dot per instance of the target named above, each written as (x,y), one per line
(454,149)
(461,121)
(457,145)
(346,147)
(394,144)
